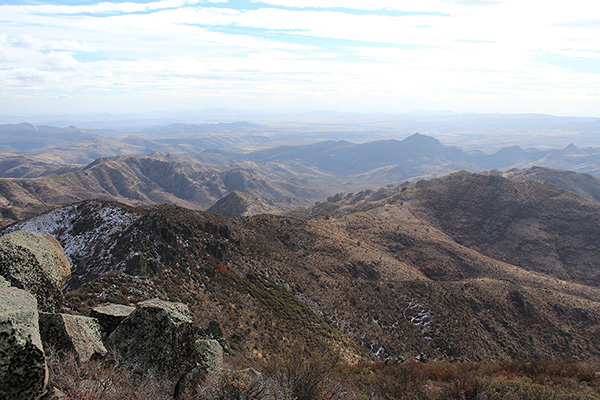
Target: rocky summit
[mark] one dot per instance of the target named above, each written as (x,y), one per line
(23,373)
(156,335)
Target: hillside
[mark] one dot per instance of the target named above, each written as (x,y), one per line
(585,185)
(240,204)
(145,180)
(19,166)
(455,267)
(533,224)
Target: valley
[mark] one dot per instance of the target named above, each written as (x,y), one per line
(299,200)
(183,164)
(457,267)
(392,251)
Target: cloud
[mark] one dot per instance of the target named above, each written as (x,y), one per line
(432,49)
(109,7)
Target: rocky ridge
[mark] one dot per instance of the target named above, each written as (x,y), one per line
(240,204)
(146,180)
(456,267)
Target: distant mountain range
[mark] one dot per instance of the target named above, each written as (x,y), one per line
(144,180)
(386,250)
(420,155)
(275,179)
(24,136)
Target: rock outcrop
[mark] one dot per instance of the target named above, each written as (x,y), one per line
(72,333)
(210,355)
(37,263)
(214,331)
(23,372)
(209,363)
(160,336)
(109,316)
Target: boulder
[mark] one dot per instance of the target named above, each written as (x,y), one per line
(72,333)
(109,316)
(4,282)
(210,355)
(37,263)
(214,331)
(249,381)
(158,336)
(23,372)
(209,363)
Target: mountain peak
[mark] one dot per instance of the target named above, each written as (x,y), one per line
(422,140)
(238,204)
(571,148)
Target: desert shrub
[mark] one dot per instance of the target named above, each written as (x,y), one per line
(235,385)
(526,389)
(300,375)
(101,380)
(514,380)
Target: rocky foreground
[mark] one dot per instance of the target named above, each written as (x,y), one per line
(155,335)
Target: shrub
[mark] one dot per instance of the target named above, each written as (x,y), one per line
(234,385)
(101,380)
(299,375)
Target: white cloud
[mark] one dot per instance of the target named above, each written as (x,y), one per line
(108,7)
(489,52)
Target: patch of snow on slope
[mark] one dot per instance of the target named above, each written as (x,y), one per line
(419,315)
(109,219)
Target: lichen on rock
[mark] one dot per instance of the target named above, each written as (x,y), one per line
(72,333)
(109,316)
(37,263)
(23,372)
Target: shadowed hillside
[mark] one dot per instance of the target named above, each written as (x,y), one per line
(583,184)
(457,267)
(155,179)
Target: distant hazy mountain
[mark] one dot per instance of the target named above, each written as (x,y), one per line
(25,136)
(179,130)
(420,156)
(347,158)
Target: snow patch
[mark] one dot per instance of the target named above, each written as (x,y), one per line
(419,315)
(107,220)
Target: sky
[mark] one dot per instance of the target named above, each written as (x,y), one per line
(505,56)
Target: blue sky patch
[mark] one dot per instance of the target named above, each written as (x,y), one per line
(575,64)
